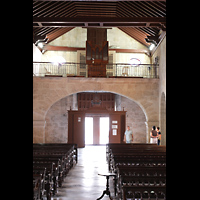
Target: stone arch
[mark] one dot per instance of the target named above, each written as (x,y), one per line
(47,91)
(56,126)
(137,102)
(136,118)
(56,118)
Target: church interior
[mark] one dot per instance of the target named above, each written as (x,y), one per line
(98,67)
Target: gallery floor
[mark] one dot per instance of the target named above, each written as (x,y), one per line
(83,181)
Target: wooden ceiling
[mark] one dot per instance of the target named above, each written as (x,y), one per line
(139,19)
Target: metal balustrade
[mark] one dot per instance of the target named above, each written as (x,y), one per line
(81,70)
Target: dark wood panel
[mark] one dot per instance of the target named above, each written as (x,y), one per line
(97,70)
(89,100)
(115,128)
(96,52)
(76,128)
(79,129)
(97,35)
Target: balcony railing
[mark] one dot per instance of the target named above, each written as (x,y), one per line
(81,70)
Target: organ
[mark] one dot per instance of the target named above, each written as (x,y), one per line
(96,52)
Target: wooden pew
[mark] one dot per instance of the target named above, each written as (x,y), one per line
(138,163)
(38,183)
(51,162)
(126,146)
(137,159)
(115,152)
(58,164)
(130,192)
(114,148)
(37,187)
(139,176)
(72,148)
(50,177)
(64,163)
(140,170)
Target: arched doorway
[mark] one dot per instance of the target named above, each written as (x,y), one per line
(56,128)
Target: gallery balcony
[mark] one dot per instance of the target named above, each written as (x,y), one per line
(115,70)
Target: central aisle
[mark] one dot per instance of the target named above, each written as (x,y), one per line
(83,181)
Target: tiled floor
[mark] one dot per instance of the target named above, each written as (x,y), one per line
(83,181)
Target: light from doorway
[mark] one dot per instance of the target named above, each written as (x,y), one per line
(104,130)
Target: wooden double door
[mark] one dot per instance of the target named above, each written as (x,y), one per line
(97,128)
(76,126)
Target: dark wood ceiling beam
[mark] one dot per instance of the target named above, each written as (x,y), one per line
(135,34)
(87,5)
(43,30)
(130,50)
(47,8)
(66,48)
(57,33)
(86,24)
(40,7)
(143,6)
(58,10)
(104,0)
(120,11)
(136,10)
(66,8)
(129,11)
(61,48)
(98,21)
(132,25)
(154,8)
(69,11)
(149,31)
(51,10)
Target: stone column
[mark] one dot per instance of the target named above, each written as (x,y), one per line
(39,131)
(149,126)
(75,103)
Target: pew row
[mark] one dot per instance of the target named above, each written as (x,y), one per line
(51,164)
(140,170)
